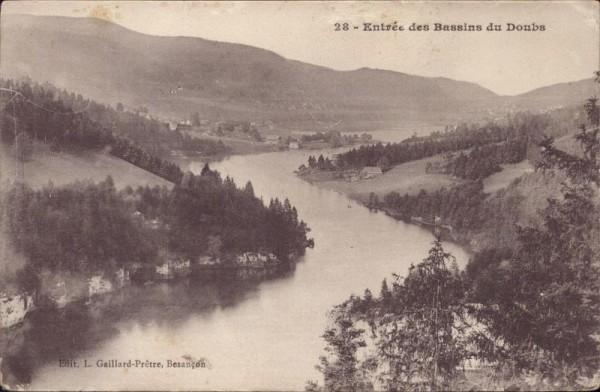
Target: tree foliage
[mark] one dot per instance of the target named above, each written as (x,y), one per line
(546,315)
(49,114)
(531,310)
(517,129)
(88,228)
(414,333)
(79,227)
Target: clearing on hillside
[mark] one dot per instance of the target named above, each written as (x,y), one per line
(409,177)
(66,167)
(509,172)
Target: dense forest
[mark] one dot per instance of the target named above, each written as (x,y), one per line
(78,227)
(207,214)
(481,161)
(460,206)
(460,139)
(524,317)
(473,151)
(87,227)
(476,218)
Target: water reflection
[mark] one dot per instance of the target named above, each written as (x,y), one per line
(51,334)
(258,336)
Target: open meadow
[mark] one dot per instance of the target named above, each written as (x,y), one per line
(409,177)
(65,167)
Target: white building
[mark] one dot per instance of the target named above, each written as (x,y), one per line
(370,172)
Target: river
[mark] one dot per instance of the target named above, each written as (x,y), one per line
(262,337)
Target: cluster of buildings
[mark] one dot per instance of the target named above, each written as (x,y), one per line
(291,143)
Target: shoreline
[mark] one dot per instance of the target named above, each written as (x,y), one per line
(328,180)
(409,177)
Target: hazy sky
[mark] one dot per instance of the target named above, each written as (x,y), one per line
(505,62)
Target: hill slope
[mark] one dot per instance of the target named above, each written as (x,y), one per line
(175,76)
(66,167)
(556,95)
(110,63)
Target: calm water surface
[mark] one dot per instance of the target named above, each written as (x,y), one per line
(268,337)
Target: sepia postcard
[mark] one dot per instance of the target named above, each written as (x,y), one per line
(323,196)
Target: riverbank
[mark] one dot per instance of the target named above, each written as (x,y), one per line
(249,147)
(504,194)
(61,288)
(51,333)
(105,299)
(409,177)
(237,146)
(228,321)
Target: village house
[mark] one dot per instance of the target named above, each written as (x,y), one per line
(370,172)
(294,145)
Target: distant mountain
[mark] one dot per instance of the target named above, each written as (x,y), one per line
(558,94)
(176,76)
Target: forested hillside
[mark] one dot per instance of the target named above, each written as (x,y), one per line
(520,128)
(217,79)
(89,226)
(32,112)
(521,316)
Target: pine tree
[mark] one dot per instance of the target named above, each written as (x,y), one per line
(546,315)
(249,189)
(342,371)
(414,328)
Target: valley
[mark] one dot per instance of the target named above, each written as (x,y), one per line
(273,224)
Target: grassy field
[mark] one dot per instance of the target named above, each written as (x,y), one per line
(569,144)
(239,146)
(65,167)
(409,177)
(509,172)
